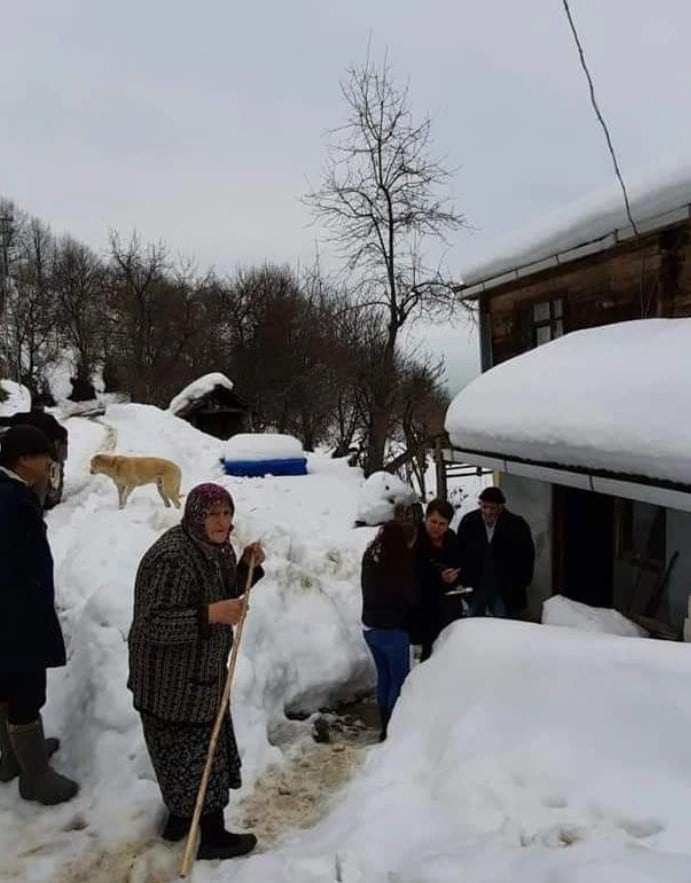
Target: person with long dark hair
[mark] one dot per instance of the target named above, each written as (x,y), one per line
(388,595)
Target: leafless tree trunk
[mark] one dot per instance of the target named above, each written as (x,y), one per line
(379,202)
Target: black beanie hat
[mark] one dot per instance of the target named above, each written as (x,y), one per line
(493,495)
(23,441)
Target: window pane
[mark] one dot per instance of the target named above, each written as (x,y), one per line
(558,328)
(543,334)
(541,312)
(558,307)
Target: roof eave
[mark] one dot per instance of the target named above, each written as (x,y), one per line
(661,492)
(602,243)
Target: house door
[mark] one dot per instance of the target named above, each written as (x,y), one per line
(584,543)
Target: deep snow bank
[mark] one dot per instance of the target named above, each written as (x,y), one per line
(302,646)
(518,754)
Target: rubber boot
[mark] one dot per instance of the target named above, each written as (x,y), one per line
(176,827)
(37,781)
(9,765)
(216,842)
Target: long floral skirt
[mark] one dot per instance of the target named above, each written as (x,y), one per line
(178,754)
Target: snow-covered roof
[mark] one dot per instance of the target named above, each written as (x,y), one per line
(592,223)
(610,399)
(197,390)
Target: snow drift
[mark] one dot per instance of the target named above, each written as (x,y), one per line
(559,610)
(518,754)
(615,398)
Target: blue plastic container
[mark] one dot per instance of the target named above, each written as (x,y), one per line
(259,468)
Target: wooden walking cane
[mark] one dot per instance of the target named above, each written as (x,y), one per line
(191,845)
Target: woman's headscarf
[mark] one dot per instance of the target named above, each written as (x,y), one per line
(200,501)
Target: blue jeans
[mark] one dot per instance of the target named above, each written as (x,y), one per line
(494,606)
(390,650)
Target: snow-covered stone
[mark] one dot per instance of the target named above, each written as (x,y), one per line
(559,610)
(379,495)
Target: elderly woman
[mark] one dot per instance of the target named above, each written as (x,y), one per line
(185,605)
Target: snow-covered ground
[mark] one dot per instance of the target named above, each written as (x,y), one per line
(302,647)
(518,754)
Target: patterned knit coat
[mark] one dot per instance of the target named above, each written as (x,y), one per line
(177,658)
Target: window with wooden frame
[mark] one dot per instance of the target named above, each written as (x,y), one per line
(546,321)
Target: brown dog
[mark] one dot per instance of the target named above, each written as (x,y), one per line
(130,472)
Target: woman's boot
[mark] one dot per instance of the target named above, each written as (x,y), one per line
(37,781)
(216,842)
(176,827)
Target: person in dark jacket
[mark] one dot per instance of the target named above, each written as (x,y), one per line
(437,565)
(54,431)
(185,605)
(30,637)
(388,595)
(497,557)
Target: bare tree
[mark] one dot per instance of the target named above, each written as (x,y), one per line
(379,199)
(78,280)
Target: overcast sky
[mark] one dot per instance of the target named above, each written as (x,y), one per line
(200,123)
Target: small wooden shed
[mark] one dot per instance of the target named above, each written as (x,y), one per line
(211,405)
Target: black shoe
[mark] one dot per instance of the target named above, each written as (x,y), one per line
(175,828)
(217,843)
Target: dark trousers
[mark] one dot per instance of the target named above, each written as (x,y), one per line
(25,695)
(390,649)
(492,606)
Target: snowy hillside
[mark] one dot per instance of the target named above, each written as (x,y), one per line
(302,646)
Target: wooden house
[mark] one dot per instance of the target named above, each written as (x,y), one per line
(211,405)
(584,268)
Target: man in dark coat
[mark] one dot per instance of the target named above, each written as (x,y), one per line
(497,557)
(30,636)
(56,433)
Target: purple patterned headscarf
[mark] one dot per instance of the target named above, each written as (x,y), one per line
(200,501)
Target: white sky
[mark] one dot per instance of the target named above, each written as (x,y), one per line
(200,123)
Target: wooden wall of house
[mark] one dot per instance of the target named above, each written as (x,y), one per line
(643,278)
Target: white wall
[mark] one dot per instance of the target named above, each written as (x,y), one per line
(533,500)
(679,586)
